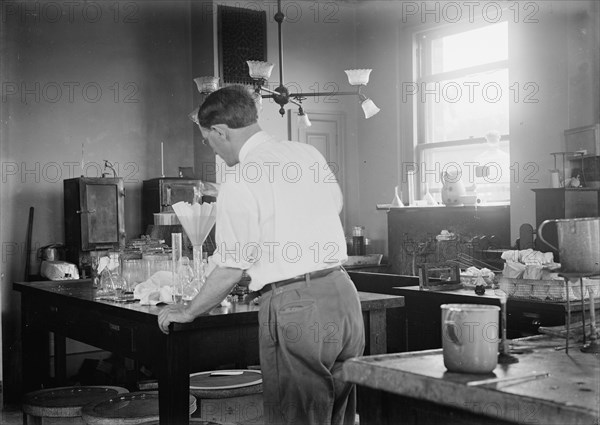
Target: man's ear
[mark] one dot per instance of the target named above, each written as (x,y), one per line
(222,129)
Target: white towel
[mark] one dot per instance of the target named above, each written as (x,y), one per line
(158,288)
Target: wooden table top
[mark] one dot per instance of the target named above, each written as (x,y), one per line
(570,394)
(83,291)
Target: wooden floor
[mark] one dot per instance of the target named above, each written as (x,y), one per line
(12,415)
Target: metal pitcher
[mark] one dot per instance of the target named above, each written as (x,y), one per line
(578,244)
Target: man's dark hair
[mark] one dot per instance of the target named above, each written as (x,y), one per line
(231,105)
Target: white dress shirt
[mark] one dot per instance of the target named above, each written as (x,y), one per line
(278,212)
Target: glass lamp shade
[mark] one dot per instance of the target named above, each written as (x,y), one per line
(260,70)
(303,121)
(369,108)
(358,77)
(207,84)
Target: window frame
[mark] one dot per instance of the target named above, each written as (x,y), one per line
(423,40)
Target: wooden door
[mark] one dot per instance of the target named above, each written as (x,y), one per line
(327,135)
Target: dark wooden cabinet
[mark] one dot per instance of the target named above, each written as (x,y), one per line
(94,214)
(563,203)
(158,195)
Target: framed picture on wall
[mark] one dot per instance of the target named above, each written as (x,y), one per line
(242,36)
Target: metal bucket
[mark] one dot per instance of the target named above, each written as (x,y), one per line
(578,244)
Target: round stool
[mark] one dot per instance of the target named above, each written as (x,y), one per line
(63,405)
(193,421)
(132,408)
(229,395)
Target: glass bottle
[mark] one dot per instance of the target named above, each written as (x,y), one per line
(187,281)
(358,241)
(199,262)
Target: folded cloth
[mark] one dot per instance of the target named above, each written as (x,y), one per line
(513,270)
(533,271)
(529,256)
(157,289)
(484,272)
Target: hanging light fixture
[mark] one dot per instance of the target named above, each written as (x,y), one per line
(260,72)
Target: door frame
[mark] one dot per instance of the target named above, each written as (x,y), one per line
(339,119)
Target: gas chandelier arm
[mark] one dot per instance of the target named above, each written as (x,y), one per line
(292,97)
(276,95)
(325,94)
(260,72)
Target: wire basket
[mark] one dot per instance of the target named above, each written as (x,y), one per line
(547,290)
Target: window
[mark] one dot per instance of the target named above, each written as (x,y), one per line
(461,96)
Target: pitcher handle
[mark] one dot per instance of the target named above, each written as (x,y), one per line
(539,232)
(451,329)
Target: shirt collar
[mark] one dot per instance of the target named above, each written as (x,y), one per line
(254,141)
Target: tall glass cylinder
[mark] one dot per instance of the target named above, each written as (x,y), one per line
(175,261)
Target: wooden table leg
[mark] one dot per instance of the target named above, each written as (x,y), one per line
(376,339)
(174,380)
(35,354)
(377,332)
(60,359)
(372,413)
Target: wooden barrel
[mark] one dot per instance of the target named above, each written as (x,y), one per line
(230,396)
(63,405)
(132,408)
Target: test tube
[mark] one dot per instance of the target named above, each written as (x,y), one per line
(410,175)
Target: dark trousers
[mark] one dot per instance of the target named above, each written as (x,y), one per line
(307,330)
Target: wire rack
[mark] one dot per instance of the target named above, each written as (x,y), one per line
(465,261)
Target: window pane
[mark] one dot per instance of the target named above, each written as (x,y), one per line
(466,107)
(470,48)
(464,160)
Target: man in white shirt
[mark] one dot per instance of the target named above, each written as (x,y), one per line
(278,220)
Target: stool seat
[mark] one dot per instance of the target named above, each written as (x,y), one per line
(225,383)
(64,402)
(229,396)
(193,421)
(132,408)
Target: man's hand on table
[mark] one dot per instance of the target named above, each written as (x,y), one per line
(173,313)
(218,284)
